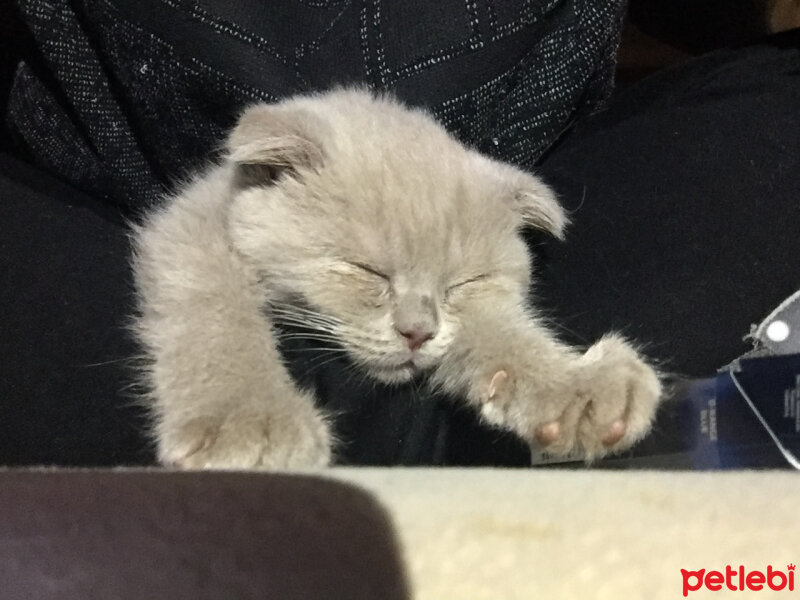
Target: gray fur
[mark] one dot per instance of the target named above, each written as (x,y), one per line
(403,246)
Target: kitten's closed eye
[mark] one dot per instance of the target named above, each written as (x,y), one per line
(369,269)
(463,283)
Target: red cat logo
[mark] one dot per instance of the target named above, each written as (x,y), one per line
(740,579)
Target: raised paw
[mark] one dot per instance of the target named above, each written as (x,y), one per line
(604,402)
(274,440)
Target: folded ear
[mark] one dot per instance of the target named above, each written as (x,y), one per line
(270,139)
(536,203)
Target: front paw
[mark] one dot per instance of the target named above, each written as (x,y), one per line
(287,436)
(603,403)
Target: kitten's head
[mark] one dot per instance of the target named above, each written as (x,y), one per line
(377,226)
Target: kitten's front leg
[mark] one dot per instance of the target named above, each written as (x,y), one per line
(221,397)
(282,435)
(521,379)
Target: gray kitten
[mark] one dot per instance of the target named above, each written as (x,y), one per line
(366,221)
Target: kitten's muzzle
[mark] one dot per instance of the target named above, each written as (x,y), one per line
(415,318)
(415,338)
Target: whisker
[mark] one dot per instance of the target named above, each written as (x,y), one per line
(299,312)
(317,349)
(308,336)
(415,390)
(306,319)
(318,365)
(304,323)
(352,371)
(104,363)
(302,315)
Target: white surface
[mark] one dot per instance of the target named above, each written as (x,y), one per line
(508,534)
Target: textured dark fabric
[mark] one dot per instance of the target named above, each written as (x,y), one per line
(132,95)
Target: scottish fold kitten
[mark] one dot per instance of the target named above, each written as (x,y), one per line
(365,221)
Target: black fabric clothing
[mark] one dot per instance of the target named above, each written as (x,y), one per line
(129,96)
(684,196)
(66,394)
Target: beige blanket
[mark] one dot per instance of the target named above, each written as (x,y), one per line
(508,534)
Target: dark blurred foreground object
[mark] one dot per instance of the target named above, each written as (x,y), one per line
(148,534)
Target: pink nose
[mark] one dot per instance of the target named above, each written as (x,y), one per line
(415,337)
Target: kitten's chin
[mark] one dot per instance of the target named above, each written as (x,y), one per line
(396,374)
